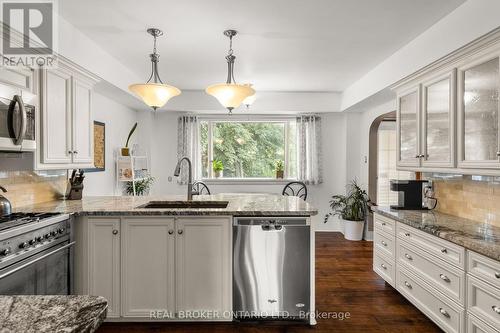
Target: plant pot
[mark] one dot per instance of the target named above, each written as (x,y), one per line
(125,151)
(353,230)
(280,174)
(218,174)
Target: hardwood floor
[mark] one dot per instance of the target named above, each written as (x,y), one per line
(345,282)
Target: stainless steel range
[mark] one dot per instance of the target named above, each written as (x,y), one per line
(36,254)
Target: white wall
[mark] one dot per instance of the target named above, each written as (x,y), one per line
(119,120)
(162,138)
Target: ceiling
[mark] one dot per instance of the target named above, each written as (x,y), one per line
(282,45)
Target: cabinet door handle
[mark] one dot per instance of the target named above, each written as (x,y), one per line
(179,231)
(384,243)
(115,232)
(383,223)
(75,152)
(408,285)
(496,309)
(70,152)
(170,232)
(383,266)
(417,156)
(409,257)
(444,250)
(497,275)
(444,312)
(498,153)
(444,278)
(407,234)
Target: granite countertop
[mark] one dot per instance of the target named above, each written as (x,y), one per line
(51,313)
(249,204)
(477,236)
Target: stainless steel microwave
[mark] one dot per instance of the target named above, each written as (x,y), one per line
(17,125)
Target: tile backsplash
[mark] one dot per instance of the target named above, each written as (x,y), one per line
(28,187)
(472,197)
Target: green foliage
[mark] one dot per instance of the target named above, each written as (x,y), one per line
(217,165)
(132,130)
(141,186)
(352,206)
(246,149)
(280,165)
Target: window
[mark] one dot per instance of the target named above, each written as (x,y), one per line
(248,149)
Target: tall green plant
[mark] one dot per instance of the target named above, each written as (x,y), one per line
(353,206)
(132,130)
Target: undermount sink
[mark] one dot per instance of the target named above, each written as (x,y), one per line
(185,204)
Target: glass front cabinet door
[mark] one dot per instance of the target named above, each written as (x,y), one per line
(438,121)
(478,114)
(408,150)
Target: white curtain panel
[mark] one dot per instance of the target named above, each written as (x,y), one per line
(310,169)
(188,145)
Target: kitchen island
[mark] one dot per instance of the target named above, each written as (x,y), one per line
(171,264)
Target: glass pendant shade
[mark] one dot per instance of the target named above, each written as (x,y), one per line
(154,95)
(230,95)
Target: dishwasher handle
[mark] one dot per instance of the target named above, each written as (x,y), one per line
(274,223)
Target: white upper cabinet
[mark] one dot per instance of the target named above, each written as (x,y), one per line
(66,131)
(408,124)
(478,86)
(438,121)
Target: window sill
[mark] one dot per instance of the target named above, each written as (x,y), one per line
(243,181)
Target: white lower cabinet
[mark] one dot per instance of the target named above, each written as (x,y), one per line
(203,268)
(456,288)
(148,266)
(157,267)
(104,261)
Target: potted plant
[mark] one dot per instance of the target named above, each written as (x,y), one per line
(280,169)
(141,186)
(126,150)
(218,168)
(352,210)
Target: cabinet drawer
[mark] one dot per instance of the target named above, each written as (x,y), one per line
(483,300)
(442,276)
(384,223)
(475,325)
(385,268)
(442,311)
(483,268)
(447,251)
(383,243)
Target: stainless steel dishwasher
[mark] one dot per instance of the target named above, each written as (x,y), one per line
(271,268)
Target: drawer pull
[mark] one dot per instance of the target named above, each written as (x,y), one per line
(497,275)
(408,285)
(384,243)
(444,250)
(444,312)
(444,278)
(409,257)
(383,223)
(496,309)
(383,266)
(407,234)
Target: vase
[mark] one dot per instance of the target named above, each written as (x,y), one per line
(218,174)
(353,230)
(280,174)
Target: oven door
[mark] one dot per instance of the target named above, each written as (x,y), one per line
(17,125)
(45,273)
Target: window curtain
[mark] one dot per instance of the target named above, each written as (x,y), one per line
(188,145)
(309,149)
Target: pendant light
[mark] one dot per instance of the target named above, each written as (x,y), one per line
(155,94)
(230,94)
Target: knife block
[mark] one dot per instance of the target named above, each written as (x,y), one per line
(75,192)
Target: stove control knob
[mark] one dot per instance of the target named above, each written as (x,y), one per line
(32,242)
(4,252)
(60,230)
(47,236)
(23,245)
(53,233)
(39,239)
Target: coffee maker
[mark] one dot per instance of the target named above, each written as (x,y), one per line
(410,194)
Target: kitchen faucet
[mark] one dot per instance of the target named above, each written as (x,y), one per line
(190,176)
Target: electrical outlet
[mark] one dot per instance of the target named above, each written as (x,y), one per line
(169,179)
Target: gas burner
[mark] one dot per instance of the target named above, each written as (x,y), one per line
(18,219)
